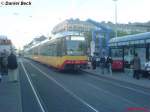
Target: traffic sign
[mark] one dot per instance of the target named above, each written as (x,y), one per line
(92,45)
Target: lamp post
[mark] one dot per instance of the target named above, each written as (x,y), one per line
(115,1)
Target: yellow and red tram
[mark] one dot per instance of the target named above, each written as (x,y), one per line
(64,51)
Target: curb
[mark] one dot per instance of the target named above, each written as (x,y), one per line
(115,79)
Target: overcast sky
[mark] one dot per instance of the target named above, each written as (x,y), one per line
(23,23)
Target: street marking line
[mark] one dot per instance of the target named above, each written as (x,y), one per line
(65,89)
(116,84)
(29,80)
(107,92)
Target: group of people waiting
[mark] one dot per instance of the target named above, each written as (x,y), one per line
(105,63)
(8,66)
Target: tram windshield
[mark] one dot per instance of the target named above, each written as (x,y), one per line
(117,54)
(75,45)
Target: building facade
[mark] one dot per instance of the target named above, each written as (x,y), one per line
(73,25)
(130,27)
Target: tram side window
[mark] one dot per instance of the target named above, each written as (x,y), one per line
(47,50)
(64,49)
(30,52)
(44,50)
(149,52)
(52,50)
(59,48)
(35,51)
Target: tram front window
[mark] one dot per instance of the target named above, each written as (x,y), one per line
(117,54)
(75,46)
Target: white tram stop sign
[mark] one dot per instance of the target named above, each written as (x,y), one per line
(92,44)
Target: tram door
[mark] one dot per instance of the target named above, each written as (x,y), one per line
(142,54)
(128,56)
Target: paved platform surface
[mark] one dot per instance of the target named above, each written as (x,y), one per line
(10,97)
(126,76)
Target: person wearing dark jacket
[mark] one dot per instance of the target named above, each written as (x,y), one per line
(12,68)
(136,66)
(103,63)
(0,67)
(4,69)
(94,62)
(108,64)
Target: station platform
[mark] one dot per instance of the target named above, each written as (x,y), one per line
(10,96)
(126,76)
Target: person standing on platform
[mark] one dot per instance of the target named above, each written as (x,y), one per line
(109,62)
(12,68)
(0,67)
(103,63)
(136,66)
(4,62)
(94,61)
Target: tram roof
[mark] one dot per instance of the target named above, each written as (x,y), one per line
(40,43)
(141,36)
(58,35)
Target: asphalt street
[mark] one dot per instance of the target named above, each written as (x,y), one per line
(46,90)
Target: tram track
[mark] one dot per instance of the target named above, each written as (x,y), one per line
(99,91)
(63,90)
